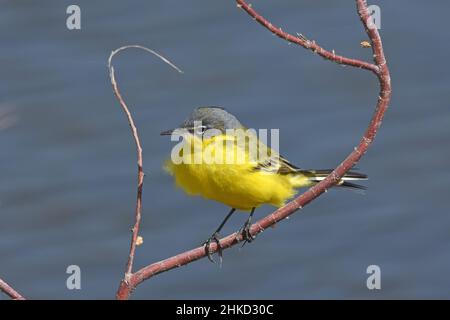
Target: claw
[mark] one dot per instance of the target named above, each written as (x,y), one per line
(246,235)
(214,237)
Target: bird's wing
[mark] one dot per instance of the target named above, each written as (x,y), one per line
(276,164)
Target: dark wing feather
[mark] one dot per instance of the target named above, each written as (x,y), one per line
(277,164)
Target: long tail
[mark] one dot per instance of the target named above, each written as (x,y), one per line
(319,175)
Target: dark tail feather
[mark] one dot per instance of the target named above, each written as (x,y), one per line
(351,185)
(319,175)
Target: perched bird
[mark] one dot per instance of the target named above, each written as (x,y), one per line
(249,180)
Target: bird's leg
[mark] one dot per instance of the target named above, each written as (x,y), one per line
(245,230)
(215,237)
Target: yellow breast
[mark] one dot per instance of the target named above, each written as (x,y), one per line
(237,185)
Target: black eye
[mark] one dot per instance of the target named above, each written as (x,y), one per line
(200,129)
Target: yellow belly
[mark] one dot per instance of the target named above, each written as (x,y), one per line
(236,185)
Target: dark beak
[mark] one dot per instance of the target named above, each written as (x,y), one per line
(167,132)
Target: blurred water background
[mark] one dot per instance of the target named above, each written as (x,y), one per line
(67,165)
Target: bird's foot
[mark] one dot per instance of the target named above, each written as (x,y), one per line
(214,237)
(245,232)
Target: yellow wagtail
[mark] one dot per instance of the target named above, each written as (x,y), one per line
(215,162)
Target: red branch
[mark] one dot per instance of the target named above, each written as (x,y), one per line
(8,290)
(138,210)
(379,68)
(134,131)
(304,42)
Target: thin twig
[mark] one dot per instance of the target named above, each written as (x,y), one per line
(8,290)
(380,68)
(134,131)
(304,42)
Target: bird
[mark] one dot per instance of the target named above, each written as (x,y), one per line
(210,133)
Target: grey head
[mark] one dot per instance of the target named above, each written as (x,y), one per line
(204,118)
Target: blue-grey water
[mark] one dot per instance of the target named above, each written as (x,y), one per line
(67,161)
